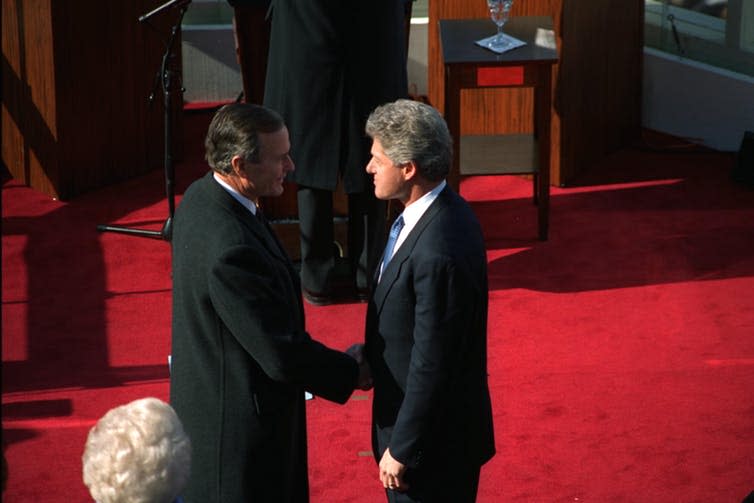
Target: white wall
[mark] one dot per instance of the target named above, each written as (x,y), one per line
(704,104)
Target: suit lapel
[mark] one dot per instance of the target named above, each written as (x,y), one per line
(264,234)
(274,244)
(272,238)
(390,274)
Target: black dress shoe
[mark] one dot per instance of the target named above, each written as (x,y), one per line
(317,299)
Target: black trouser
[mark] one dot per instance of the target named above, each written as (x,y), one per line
(366,228)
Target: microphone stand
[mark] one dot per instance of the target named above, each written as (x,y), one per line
(167,87)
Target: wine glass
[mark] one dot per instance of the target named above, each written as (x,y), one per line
(499,11)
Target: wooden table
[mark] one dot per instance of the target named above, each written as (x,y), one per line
(469,66)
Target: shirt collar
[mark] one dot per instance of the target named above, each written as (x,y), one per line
(414,211)
(245,201)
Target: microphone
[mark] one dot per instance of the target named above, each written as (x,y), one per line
(165,6)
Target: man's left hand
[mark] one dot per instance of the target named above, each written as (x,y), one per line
(391,472)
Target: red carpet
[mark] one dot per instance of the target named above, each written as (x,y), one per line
(621,350)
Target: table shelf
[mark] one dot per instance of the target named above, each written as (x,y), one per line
(508,154)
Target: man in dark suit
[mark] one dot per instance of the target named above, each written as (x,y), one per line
(241,358)
(331,62)
(426,327)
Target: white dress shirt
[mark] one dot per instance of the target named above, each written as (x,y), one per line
(414,211)
(245,201)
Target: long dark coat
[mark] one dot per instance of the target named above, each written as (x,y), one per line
(426,343)
(241,358)
(331,62)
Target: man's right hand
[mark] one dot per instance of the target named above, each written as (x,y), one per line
(365,372)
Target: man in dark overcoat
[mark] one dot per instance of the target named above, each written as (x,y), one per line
(241,356)
(331,62)
(426,327)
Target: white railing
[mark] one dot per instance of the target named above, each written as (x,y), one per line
(726,42)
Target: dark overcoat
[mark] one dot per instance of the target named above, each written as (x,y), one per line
(241,358)
(426,342)
(331,62)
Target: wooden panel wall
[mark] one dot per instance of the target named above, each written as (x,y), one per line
(29,121)
(596,85)
(76,77)
(598,92)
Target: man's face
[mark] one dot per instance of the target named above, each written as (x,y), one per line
(389,179)
(265,178)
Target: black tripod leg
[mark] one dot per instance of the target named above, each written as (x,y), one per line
(132,232)
(167,229)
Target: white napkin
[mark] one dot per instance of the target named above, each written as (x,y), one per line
(512,43)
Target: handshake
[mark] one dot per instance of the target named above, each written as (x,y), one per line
(356,352)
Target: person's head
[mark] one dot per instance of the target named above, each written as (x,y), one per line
(411,146)
(137,453)
(248,146)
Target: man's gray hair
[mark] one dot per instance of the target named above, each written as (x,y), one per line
(413,131)
(234,130)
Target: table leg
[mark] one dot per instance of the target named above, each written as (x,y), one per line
(453,119)
(542,111)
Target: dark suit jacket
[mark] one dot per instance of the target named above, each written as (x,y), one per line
(249,3)
(331,62)
(426,342)
(241,358)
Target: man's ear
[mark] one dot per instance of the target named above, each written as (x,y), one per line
(410,170)
(237,164)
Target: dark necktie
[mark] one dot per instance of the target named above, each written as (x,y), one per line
(274,238)
(260,216)
(266,224)
(395,230)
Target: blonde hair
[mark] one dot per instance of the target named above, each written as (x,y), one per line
(137,453)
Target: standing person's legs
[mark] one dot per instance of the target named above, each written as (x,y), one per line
(315,213)
(369,82)
(366,229)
